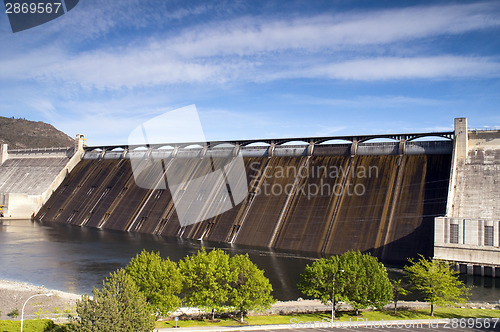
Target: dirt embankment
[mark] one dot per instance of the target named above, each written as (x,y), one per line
(14,294)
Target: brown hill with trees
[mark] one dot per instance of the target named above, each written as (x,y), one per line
(25,134)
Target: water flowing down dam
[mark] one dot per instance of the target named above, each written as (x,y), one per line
(378,197)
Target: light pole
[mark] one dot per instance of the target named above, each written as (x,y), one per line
(333,294)
(29,298)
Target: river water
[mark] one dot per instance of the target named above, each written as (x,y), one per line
(76,259)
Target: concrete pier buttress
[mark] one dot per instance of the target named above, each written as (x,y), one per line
(3,153)
(469,234)
(461,138)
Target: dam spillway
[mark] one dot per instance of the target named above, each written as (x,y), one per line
(374,197)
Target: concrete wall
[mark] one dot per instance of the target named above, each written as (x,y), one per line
(477,183)
(473,202)
(21,206)
(3,153)
(470,245)
(29,177)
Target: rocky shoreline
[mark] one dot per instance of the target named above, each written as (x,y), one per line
(13,295)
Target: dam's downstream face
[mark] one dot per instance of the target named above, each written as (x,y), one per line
(324,202)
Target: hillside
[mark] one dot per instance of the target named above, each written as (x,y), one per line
(24,134)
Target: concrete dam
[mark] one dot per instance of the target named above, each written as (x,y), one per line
(319,196)
(28,177)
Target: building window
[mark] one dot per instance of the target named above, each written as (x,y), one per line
(488,235)
(453,233)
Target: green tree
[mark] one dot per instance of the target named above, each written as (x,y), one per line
(159,280)
(437,281)
(251,289)
(359,279)
(365,279)
(118,307)
(323,280)
(398,289)
(207,280)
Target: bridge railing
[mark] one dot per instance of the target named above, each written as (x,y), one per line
(283,141)
(35,150)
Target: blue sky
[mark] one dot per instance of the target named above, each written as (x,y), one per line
(257,69)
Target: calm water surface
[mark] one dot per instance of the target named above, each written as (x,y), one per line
(75,259)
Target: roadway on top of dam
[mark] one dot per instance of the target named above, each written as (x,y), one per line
(355,139)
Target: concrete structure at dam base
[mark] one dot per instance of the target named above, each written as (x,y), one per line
(471,244)
(469,233)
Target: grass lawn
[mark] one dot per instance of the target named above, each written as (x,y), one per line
(32,325)
(37,325)
(343,316)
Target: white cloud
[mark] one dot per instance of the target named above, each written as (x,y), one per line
(44,106)
(137,68)
(385,68)
(26,65)
(143,68)
(250,35)
(92,19)
(114,69)
(367,101)
(245,50)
